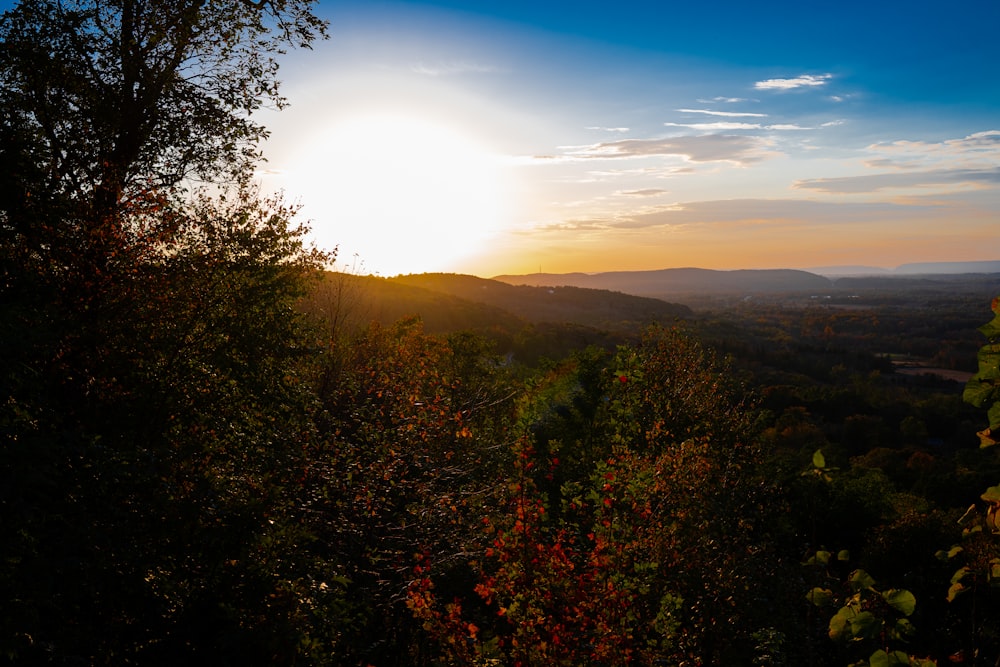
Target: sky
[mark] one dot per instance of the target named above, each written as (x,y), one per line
(514,137)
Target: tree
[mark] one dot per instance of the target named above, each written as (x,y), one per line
(111,108)
(155,407)
(412,455)
(657,546)
(149,479)
(110,100)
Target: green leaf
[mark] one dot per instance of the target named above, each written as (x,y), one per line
(991,329)
(820,597)
(955,590)
(865,624)
(860,580)
(882,659)
(989,361)
(822,557)
(819,461)
(879,659)
(943,555)
(840,624)
(993,414)
(992,494)
(959,574)
(903,630)
(843,555)
(977,392)
(901,600)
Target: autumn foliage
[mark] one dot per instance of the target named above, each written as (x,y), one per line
(208,456)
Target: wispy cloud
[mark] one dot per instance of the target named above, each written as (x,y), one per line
(803,81)
(727,100)
(970,161)
(452,68)
(981,147)
(902,180)
(718,126)
(726,114)
(729,125)
(757,212)
(648,192)
(607,129)
(703,148)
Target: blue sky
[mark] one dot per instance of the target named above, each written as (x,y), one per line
(638,135)
(508,137)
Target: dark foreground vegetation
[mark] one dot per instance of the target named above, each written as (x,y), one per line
(214,452)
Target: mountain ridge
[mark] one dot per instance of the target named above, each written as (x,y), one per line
(664,283)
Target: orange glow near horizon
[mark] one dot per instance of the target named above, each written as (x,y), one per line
(456,148)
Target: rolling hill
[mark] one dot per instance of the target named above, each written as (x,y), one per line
(452,302)
(594,307)
(664,283)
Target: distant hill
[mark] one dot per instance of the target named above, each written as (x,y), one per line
(937,268)
(593,307)
(841,271)
(354,301)
(913,269)
(985,284)
(449,302)
(666,282)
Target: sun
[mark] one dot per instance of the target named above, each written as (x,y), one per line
(403,193)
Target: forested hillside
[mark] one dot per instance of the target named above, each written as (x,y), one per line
(217,451)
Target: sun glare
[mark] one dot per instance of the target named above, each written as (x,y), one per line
(403,193)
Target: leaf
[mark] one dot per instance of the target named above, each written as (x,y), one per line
(977,392)
(903,630)
(882,659)
(820,597)
(991,329)
(989,362)
(954,591)
(992,494)
(993,414)
(879,659)
(943,555)
(819,461)
(840,624)
(822,557)
(901,600)
(860,580)
(865,624)
(844,555)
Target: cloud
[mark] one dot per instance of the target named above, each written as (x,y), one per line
(703,148)
(983,147)
(648,192)
(759,212)
(714,127)
(607,129)
(727,114)
(912,179)
(970,161)
(727,100)
(804,81)
(721,125)
(452,68)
